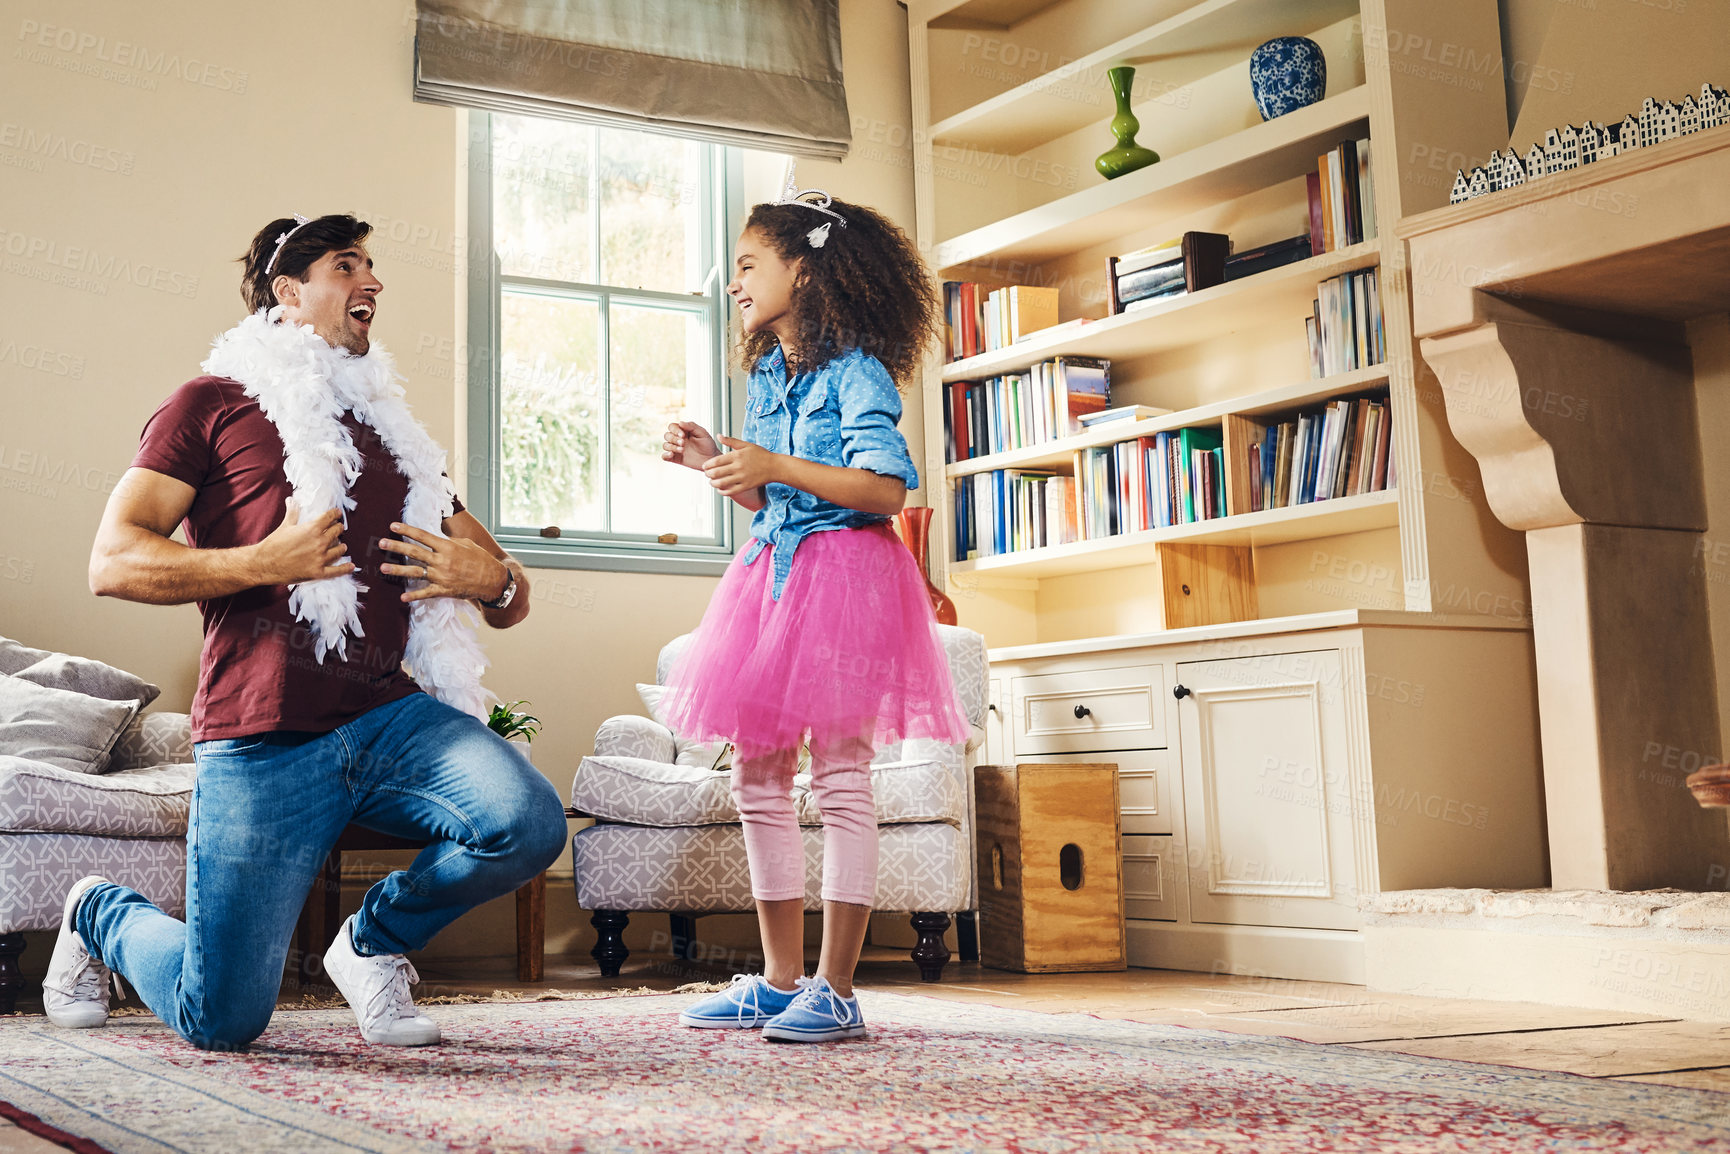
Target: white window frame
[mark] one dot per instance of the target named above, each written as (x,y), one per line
(720,177)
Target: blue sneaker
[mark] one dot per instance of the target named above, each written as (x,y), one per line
(745,1005)
(818,1014)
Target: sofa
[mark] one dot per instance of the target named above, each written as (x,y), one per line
(667,836)
(89,784)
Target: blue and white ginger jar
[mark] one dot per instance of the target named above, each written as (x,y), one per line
(1286,74)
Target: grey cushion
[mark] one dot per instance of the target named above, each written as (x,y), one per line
(91,678)
(39,868)
(59,726)
(154,739)
(147,802)
(15,655)
(701,869)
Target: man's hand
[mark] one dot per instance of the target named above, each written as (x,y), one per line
(450,566)
(297,550)
(689,444)
(743,469)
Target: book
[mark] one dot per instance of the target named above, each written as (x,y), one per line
(1268,256)
(1192,441)
(1084,384)
(1140,284)
(1158,298)
(1317,234)
(1153,254)
(1122,413)
(1202,255)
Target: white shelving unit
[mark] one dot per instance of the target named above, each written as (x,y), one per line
(1243,612)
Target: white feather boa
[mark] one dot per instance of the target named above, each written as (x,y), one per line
(303,386)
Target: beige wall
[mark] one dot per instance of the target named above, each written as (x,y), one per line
(1570,61)
(159,169)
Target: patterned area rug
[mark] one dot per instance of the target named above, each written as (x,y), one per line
(619,1074)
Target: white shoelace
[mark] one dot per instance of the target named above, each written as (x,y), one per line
(747,998)
(814,992)
(88,981)
(392,1001)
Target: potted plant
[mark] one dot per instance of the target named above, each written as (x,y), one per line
(510,722)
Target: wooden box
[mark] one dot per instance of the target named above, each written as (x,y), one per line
(1049,868)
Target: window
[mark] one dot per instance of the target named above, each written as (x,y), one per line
(597,316)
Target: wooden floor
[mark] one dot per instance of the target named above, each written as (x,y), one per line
(1595,1043)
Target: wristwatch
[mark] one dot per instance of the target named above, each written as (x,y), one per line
(503,600)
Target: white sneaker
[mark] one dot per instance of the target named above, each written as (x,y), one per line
(75,988)
(377,991)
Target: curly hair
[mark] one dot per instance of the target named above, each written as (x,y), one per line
(309,242)
(865,288)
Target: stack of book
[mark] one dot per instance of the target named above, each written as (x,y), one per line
(1048,401)
(1345,324)
(1340,451)
(1008,510)
(1165,270)
(1170,478)
(977,320)
(1342,198)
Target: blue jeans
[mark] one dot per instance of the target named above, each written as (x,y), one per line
(265,813)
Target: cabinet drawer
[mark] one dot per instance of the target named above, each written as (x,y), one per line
(1090,710)
(1149,878)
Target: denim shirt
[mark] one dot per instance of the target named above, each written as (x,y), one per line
(843,413)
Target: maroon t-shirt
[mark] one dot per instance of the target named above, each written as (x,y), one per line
(259,672)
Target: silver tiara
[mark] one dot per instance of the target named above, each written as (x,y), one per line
(300,223)
(793,194)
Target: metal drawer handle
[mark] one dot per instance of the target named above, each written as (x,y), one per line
(1082,711)
(1181,692)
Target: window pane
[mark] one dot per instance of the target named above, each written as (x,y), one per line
(542,218)
(663,366)
(550,400)
(650,224)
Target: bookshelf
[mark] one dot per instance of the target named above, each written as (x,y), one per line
(1002,99)
(1345,640)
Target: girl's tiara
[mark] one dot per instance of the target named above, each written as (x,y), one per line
(818,236)
(300,223)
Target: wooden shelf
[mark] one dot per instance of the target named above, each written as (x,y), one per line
(1269,527)
(1051,453)
(1001,14)
(1258,157)
(1191,44)
(1248,303)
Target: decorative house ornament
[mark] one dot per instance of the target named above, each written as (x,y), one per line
(1569,147)
(1286,74)
(1127,156)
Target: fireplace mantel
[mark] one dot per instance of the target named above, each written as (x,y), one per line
(1554,316)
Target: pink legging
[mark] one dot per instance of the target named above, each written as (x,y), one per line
(841,782)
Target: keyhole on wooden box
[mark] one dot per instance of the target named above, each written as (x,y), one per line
(996,867)
(1069,866)
(1186,590)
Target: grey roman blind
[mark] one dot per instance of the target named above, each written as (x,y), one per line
(757,73)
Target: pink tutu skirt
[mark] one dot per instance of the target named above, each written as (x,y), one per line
(850,650)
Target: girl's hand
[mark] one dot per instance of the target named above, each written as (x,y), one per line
(743,469)
(689,444)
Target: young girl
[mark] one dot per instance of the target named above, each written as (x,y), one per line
(821,625)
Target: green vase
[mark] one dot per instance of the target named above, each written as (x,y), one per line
(1128,155)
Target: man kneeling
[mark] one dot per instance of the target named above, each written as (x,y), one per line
(326,550)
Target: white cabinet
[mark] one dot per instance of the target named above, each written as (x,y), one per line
(1273,773)
(1269,797)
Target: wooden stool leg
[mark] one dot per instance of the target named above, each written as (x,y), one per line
(930,955)
(684,933)
(532,929)
(967,935)
(11,979)
(610,949)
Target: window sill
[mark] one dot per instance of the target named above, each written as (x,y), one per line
(691,561)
